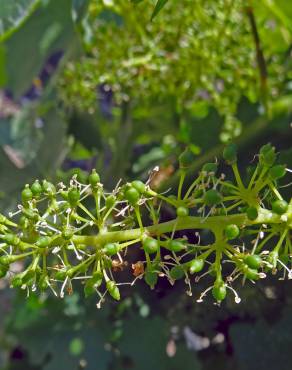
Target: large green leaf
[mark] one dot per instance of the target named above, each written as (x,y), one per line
(13,15)
(28,152)
(49,30)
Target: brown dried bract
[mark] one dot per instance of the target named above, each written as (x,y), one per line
(138,268)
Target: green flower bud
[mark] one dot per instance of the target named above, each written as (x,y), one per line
(230,153)
(186,158)
(196,265)
(210,168)
(139,186)
(231,231)
(151,278)
(177,272)
(36,188)
(175,245)
(113,290)
(132,196)
(212,197)
(182,211)
(219,290)
(252,213)
(111,249)
(279,206)
(150,245)
(93,178)
(253,261)
(277,172)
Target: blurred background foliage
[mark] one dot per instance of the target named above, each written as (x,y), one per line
(98,84)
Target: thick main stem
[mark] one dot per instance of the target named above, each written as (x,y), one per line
(182,223)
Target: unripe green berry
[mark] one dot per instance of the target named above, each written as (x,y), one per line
(150,245)
(113,290)
(252,213)
(49,188)
(3,271)
(251,273)
(43,282)
(11,239)
(16,281)
(269,158)
(210,167)
(61,275)
(132,196)
(36,188)
(150,278)
(196,265)
(253,261)
(280,206)
(93,178)
(139,185)
(5,260)
(231,231)
(26,194)
(111,249)
(186,158)
(30,214)
(177,272)
(182,211)
(110,201)
(230,153)
(277,172)
(219,290)
(73,197)
(212,197)
(97,278)
(267,155)
(175,245)
(43,241)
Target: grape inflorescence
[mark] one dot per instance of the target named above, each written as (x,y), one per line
(80,232)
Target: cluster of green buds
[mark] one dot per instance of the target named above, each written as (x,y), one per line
(82,232)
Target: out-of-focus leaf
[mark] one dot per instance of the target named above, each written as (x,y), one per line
(79,8)
(28,157)
(56,338)
(50,29)
(261,346)
(13,15)
(282,10)
(159,5)
(139,338)
(2,65)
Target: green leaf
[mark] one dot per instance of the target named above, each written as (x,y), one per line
(157,357)
(49,30)
(281,10)
(159,5)
(14,14)
(2,65)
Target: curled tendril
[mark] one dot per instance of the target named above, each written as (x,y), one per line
(82,232)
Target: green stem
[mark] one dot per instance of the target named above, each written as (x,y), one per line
(237,176)
(213,223)
(180,185)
